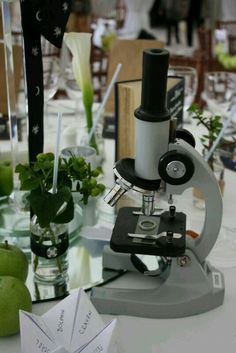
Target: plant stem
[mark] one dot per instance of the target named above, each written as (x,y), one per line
(53,239)
(89,118)
(36,259)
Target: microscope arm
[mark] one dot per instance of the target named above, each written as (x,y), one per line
(203,178)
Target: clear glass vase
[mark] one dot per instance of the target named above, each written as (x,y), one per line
(89,212)
(49,248)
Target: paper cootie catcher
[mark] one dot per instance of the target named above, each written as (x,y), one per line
(71,326)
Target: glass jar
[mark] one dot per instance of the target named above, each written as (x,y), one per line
(49,248)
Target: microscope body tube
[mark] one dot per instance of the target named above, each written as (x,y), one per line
(152,117)
(152,139)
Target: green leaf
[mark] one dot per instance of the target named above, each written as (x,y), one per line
(193,108)
(95,192)
(45,156)
(21,168)
(101,187)
(47,205)
(95,172)
(64,193)
(30,183)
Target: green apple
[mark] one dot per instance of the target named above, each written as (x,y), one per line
(14,296)
(13,262)
(6,178)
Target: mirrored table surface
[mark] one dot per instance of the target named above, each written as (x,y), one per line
(85,269)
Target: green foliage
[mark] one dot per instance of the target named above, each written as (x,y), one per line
(213,126)
(227,61)
(47,206)
(74,175)
(212,123)
(81,173)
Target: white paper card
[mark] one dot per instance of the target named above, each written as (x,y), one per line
(60,350)
(35,336)
(71,326)
(101,342)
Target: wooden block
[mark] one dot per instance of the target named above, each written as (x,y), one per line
(127,99)
(130,54)
(18,64)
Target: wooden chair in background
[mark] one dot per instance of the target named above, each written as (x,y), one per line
(98,71)
(230,26)
(205,46)
(80,16)
(232,44)
(98,60)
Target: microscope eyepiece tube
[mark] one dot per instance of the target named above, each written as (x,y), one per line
(152,117)
(154,82)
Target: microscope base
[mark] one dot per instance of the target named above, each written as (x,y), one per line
(180,292)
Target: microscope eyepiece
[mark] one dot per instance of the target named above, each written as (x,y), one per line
(154,82)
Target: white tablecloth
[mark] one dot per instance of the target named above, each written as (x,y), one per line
(214,331)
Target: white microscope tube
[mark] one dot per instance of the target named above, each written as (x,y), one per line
(151,143)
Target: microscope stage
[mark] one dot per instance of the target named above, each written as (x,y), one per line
(130,234)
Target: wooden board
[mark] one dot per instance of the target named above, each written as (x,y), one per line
(130,54)
(127,99)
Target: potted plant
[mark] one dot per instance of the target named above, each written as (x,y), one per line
(52,211)
(213,126)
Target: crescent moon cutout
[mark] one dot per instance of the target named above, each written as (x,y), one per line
(37,90)
(37,16)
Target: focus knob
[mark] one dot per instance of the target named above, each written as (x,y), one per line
(175,168)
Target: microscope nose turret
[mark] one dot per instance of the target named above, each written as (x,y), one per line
(127,180)
(116,192)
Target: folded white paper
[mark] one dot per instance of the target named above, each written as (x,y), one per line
(71,326)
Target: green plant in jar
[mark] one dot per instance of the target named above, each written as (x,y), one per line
(50,209)
(53,210)
(213,125)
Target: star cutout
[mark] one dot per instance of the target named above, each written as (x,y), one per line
(52,252)
(35,51)
(65,6)
(35,130)
(57,32)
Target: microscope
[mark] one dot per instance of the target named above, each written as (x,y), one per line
(185,283)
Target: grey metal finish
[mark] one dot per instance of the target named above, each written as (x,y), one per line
(180,291)
(115,194)
(116,261)
(203,179)
(189,285)
(148,206)
(176,169)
